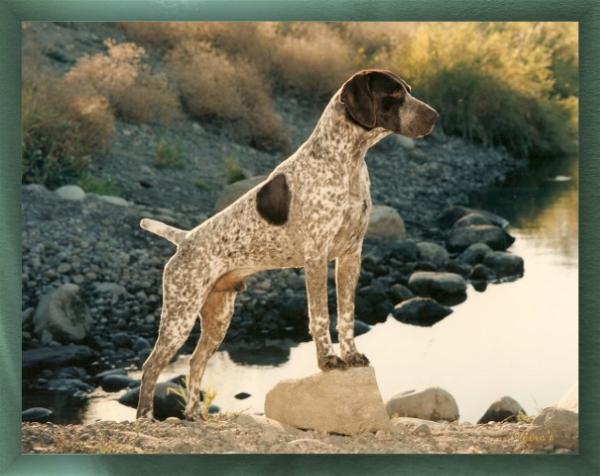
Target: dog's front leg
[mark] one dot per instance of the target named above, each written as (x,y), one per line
(316,289)
(347,270)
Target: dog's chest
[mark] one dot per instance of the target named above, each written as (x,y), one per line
(355,209)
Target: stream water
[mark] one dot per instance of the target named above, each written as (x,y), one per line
(518,339)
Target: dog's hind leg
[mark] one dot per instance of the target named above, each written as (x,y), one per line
(216,316)
(183,295)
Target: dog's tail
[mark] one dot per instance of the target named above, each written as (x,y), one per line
(174,235)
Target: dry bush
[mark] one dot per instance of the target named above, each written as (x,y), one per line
(214,85)
(313,58)
(136,94)
(62,125)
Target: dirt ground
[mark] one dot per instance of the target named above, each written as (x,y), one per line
(251,434)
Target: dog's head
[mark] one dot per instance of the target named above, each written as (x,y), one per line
(378,98)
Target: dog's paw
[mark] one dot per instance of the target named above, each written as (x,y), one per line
(356,359)
(331,362)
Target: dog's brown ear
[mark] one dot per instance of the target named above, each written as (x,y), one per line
(356,95)
(388,91)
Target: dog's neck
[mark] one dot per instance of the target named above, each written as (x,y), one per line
(337,127)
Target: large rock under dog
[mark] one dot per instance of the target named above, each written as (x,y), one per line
(338,401)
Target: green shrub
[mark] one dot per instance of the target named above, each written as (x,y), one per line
(202,184)
(233,171)
(494,83)
(168,156)
(99,185)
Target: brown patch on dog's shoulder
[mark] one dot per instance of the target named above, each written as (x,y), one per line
(273,200)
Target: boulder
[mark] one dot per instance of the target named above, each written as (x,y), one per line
(433,253)
(435,284)
(64,314)
(504,264)
(434,403)
(461,238)
(385,225)
(61,356)
(70,192)
(36,414)
(505,409)
(338,401)
(420,311)
(475,253)
(235,190)
(570,400)
(554,427)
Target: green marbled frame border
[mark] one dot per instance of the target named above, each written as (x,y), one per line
(12,12)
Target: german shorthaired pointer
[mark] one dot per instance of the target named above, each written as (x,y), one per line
(313,208)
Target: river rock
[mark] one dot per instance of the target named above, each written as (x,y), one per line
(504,264)
(61,356)
(458,267)
(64,313)
(235,190)
(434,403)
(472,219)
(385,224)
(420,311)
(399,293)
(116,382)
(338,401)
(495,237)
(554,426)
(70,192)
(68,385)
(169,398)
(430,283)
(475,253)
(433,253)
(406,251)
(452,214)
(570,400)
(505,409)
(118,201)
(481,272)
(36,414)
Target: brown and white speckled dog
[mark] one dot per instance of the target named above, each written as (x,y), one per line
(313,208)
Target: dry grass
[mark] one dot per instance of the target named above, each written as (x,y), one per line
(213,85)
(134,91)
(62,125)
